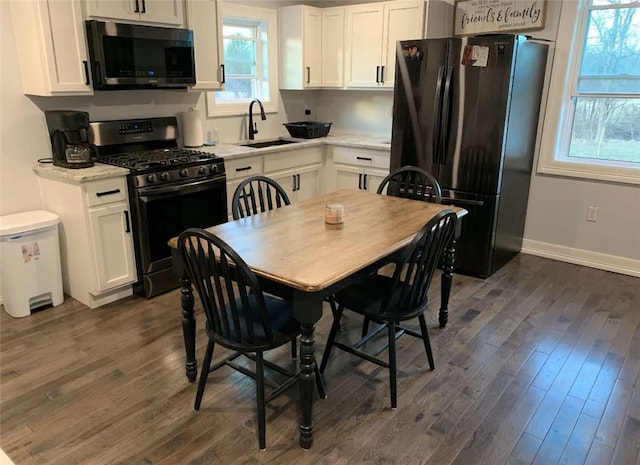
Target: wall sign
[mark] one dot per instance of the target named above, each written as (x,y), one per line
(497,16)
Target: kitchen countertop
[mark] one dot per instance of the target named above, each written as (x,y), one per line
(225,150)
(349,140)
(80,175)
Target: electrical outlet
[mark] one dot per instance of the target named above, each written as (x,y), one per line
(592,213)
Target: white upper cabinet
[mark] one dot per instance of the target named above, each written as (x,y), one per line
(371,34)
(300,46)
(161,12)
(332,47)
(51,46)
(205,19)
(312,30)
(402,20)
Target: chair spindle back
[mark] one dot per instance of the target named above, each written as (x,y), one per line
(415,268)
(257,194)
(231,310)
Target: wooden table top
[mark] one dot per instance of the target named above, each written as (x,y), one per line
(294,246)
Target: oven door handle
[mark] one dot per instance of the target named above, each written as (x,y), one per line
(181,189)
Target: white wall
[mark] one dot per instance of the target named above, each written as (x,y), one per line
(556,225)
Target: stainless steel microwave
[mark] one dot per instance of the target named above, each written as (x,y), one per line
(131,56)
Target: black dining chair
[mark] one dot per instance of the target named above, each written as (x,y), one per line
(408,182)
(239,316)
(411,182)
(391,300)
(257,194)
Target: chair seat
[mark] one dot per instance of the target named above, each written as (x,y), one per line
(280,316)
(367,296)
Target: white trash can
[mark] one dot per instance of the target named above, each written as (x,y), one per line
(30,262)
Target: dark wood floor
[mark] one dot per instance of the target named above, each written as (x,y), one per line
(539,365)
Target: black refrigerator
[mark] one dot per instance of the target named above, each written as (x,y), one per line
(466,110)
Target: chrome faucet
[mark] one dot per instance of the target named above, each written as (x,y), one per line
(253,127)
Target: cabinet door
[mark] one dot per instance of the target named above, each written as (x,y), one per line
(287,179)
(204,18)
(402,20)
(112,246)
(151,11)
(372,179)
(348,177)
(363,45)
(312,38)
(231,188)
(332,47)
(308,183)
(51,46)
(165,12)
(114,9)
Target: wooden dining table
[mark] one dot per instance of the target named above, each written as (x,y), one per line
(298,256)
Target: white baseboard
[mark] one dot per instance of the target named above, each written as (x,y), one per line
(597,260)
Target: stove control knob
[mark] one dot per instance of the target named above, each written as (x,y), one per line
(213,169)
(152,178)
(202,170)
(164,176)
(184,172)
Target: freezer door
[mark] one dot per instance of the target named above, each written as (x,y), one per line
(417,102)
(475,246)
(475,102)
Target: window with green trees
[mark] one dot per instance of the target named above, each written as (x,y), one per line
(597,72)
(250,60)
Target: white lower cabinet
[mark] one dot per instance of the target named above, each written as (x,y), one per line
(110,228)
(356,168)
(299,172)
(98,260)
(299,184)
(238,169)
(365,179)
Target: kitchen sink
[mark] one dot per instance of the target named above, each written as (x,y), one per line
(269,143)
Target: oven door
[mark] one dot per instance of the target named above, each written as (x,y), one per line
(164,212)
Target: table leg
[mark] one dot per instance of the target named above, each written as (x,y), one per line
(445,288)
(188,329)
(307,383)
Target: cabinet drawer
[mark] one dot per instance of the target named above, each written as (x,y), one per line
(292,159)
(361,157)
(105,191)
(243,167)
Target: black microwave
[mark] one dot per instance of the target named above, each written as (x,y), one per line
(131,56)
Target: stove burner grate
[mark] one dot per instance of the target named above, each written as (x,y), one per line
(147,159)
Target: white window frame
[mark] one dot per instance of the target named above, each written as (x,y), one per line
(270,17)
(558,120)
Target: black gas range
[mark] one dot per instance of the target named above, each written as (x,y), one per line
(170,189)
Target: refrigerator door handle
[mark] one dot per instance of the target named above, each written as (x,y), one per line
(437,111)
(446,111)
(462,202)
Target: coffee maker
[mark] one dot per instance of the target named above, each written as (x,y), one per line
(69,134)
